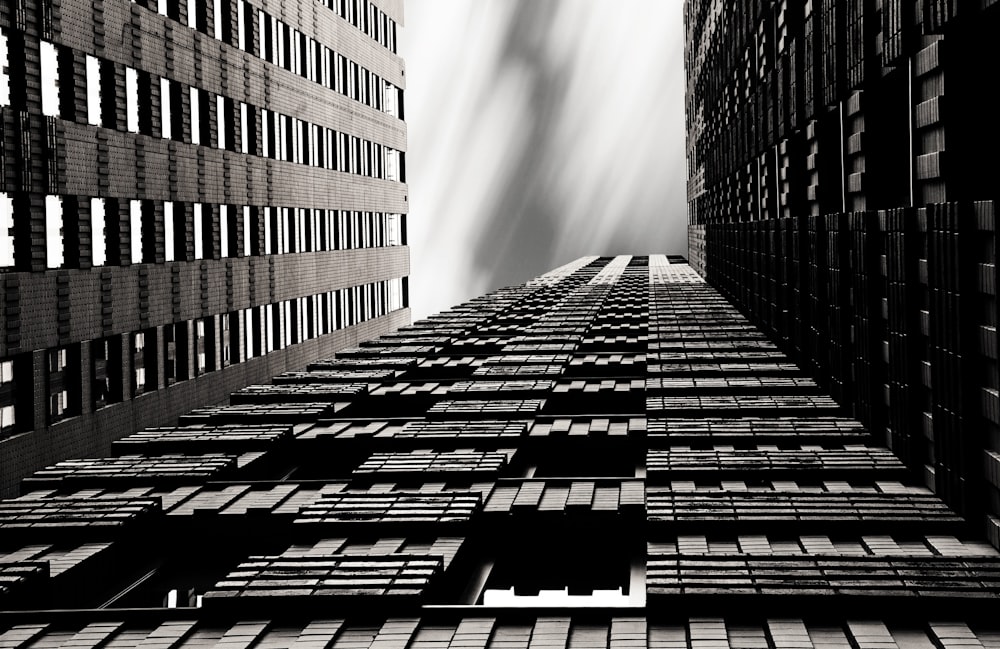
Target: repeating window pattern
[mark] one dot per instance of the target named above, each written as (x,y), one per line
(189,349)
(287,47)
(236,124)
(369,19)
(286,230)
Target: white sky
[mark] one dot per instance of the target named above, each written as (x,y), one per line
(539,131)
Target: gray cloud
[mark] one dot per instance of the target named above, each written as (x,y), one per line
(540,131)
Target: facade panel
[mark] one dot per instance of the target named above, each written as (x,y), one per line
(608,455)
(873,259)
(194,195)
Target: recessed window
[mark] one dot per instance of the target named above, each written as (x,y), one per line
(224,231)
(244,131)
(220,121)
(135,235)
(391,164)
(248,318)
(4,76)
(596,571)
(217,19)
(98,236)
(131,100)
(105,370)
(265,131)
(168,231)
(139,363)
(199,346)
(6,230)
(179,350)
(53,232)
(198,230)
(8,402)
(195,115)
(93,91)
(269,320)
(241,16)
(50,78)
(61,382)
(226,337)
(247,231)
(165,117)
(170,362)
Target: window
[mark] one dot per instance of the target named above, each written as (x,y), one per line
(599,569)
(175,352)
(195,116)
(269,320)
(397,294)
(131,100)
(198,241)
(224,230)
(165,116)
(8,401)
(284,231)
(93,91)
(247,248)
(227,336)
(265,130)
(6,230)
(268,231)
(53,232)
(50,79)
(241,15)
(135,234)
(391,164)
(217,19)
(251,343)
(98,236)
(4,76)
(61,384)
(199,347)
(105,368)
(139,363)
(244,131)
(170,368)
(168,231)
(220,121)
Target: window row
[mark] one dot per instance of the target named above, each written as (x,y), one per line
(285,46)
(126,366)
(362,14)
(200,117)
(84,232)
(369,19)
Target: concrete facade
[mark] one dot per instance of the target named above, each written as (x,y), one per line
(194,195)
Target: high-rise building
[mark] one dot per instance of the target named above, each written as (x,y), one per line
(611,435)
(196,195)
(842,194)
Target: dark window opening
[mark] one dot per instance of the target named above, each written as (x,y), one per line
(592,462)
(16,405)
(63,383)
(106,371)
(563,569)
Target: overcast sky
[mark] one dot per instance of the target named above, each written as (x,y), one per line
(539,131)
